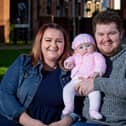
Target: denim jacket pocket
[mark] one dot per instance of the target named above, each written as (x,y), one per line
(29,81)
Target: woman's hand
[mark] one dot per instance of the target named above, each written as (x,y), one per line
(26,120)
(35,122)
(65,121)
(84,87)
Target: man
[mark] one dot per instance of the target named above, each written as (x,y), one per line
(108,32)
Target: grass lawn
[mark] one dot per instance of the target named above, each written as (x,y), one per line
(7,56)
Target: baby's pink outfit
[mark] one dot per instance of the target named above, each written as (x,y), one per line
(85,66)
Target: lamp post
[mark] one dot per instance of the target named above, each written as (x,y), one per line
(74,17)
(29,19)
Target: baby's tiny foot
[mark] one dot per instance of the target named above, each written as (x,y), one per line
(95,115)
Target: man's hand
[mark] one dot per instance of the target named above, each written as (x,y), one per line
(85,86)
(94,75)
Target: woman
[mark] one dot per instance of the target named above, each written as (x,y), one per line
(31,90)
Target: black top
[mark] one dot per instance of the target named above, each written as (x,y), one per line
(47,104)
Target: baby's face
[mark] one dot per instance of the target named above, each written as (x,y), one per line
(85,48)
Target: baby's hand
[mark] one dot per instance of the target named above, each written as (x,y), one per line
(68,65)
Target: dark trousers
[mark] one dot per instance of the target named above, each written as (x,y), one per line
(5,122)
(86,124)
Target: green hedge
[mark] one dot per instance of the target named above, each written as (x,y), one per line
(7,56)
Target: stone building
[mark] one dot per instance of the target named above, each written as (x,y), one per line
(4,20)
(27,15)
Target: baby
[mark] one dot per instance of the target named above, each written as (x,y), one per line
(86,62)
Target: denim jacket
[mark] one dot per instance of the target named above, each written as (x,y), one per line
(19,86)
